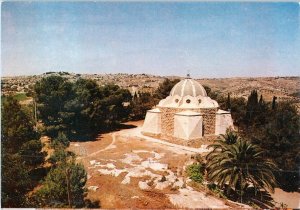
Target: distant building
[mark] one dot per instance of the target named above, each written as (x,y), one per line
(187,114)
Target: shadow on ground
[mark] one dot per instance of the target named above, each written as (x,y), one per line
(261,199)
(93,135)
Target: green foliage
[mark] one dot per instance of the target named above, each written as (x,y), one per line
(272,126)
(16,125)
(165,88)
(240,165)
(145,101)
(15,181)
(32,154)
(51,94)
(238,110)
(63,186)
(112,108)
(210,93)
(140,105)
(17,96)
(80,108)
(195,172)
(61,141)
(21,153)
(60,156)
(252,107)
(20,96)
(280,138)
(228,102)
(214,188)
(274,102)
(230,137)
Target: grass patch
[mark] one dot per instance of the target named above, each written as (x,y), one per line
(17,96)
(20,96)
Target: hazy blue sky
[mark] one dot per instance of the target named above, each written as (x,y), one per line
(208,39)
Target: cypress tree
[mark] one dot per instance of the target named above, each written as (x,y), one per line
(252,105)
(228,103)
(274,102)
(261,100)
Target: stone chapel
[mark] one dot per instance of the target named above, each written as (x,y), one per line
(187,114)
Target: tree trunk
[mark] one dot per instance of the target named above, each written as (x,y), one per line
(68,186)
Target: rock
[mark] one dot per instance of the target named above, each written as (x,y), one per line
(93,188)
(135,197)
(92,162)
(179,183)
(110,165)
(162,185)
(143,185)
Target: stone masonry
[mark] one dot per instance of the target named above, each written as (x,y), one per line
(167,120)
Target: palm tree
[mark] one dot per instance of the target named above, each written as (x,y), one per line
(239,166)
(230,137)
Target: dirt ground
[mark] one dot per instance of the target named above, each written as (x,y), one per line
(127,171)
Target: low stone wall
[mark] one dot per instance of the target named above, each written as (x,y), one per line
(195,143)
(158,136)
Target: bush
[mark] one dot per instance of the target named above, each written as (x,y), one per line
(216,190)
(60,142)
(195,172)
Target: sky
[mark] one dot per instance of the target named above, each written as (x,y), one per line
(208,40)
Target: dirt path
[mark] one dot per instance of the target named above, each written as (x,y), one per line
(125,170)
(136,132)
(110,146)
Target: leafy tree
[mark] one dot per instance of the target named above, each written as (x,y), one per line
(85,105)
(15,180)
(32,154)
(61,141)
(21,153)
(141,104)
(280,139)
(60,156)
(238,111)
(238,165)
(165,88)
(51,94)
(81,107)
(112,103)
(210,93)
(16,126)
(63,186)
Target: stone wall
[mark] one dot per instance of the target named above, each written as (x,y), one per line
(209,120)
(167,120)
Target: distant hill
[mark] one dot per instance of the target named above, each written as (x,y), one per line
(284,88)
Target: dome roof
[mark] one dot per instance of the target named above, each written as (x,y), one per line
(188,87)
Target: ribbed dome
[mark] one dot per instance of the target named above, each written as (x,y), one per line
(188,87)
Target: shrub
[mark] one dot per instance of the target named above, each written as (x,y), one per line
(195,172)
